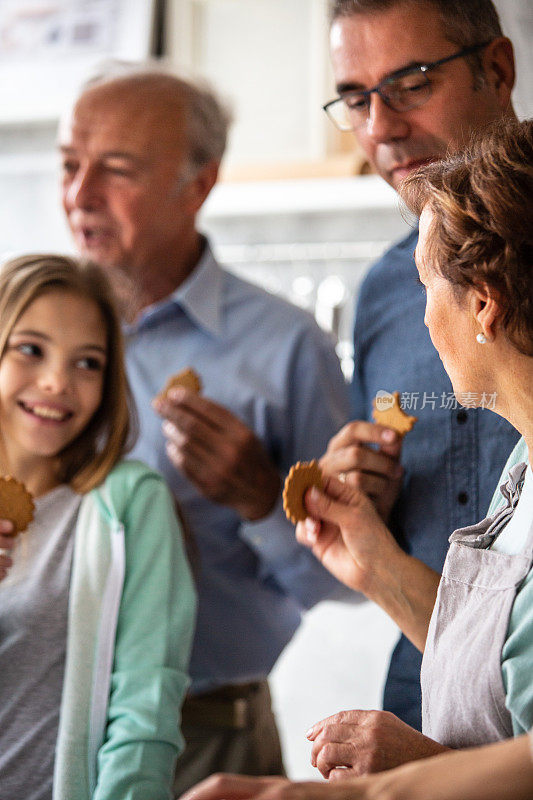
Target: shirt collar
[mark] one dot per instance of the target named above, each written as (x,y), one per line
(200,297)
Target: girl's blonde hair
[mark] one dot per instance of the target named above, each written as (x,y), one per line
(86,461)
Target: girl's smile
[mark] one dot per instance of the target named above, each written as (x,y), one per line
(51,380)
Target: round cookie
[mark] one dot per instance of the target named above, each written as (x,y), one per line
(16,504)
(393,416)
(187,378)
(301,477)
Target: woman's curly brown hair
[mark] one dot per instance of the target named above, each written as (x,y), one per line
(481,229)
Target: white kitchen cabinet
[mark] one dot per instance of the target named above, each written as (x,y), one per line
(269,59)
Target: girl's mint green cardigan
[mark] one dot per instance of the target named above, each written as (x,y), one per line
(130,625)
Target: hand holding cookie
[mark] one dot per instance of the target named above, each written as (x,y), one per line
(218,453)
(367,456)
(345,533)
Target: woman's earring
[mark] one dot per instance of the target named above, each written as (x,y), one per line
(481,338)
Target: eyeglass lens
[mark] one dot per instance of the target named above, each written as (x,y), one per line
(401,93)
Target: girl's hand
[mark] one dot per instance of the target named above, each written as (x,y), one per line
(7,542)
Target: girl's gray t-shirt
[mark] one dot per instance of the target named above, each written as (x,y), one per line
(33,634)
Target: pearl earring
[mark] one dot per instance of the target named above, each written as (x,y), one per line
(481,338)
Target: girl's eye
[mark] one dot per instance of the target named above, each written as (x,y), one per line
(28,349)
(90,363)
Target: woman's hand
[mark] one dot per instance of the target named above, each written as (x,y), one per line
(346,533)
(7,542)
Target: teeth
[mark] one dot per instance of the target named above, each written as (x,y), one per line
(48,413)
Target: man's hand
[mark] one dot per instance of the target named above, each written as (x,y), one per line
(219,454)
(353,743)
(377,472)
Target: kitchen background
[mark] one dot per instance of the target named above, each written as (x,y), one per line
(294,212)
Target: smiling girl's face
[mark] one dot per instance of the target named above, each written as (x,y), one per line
(51,383)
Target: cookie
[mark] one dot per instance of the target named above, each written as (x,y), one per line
(16,504)
(186,378)
(388,412)
(301,477)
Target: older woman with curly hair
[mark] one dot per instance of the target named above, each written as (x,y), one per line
(475,261)
(474,623)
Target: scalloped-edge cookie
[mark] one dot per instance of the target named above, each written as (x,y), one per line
(392,416)
(187,378)
(16,503)
(301,477)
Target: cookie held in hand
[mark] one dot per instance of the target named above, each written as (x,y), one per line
(301,477)
(187,378)
(16,504)
(388,412)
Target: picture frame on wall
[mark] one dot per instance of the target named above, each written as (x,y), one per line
(48,47)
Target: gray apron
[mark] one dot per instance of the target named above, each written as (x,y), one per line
(463,696)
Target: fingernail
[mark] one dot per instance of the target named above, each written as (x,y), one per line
(6,526)
(313,493)
(167,427)
(309,733)
(311,530)
(388,436)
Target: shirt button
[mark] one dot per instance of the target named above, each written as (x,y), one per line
(462,416)
(462,498)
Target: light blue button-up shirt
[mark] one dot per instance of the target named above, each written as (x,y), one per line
(453,457)
(268,363)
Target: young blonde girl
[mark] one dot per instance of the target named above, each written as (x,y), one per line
(96,615)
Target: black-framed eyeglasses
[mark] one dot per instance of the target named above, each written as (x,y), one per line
(404,90)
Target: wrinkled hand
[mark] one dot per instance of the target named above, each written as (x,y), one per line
(7,542)
(241,787)
(376,472)
(353,743)
(219,454)
(346,533)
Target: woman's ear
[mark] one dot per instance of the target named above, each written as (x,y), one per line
(487,310)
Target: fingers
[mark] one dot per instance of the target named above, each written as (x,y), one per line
(350,716)
(184,407)
(359,457)
(333,756)
(6,562)
(230,787)
(7,543)
(7,530)
(360,431)
(336,503)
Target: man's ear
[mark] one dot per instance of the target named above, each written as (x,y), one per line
(499,66)
(197,190)
(487,310)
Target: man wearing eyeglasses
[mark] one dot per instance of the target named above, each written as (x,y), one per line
(415,78)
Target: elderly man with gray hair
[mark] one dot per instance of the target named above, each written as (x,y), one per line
(140,154)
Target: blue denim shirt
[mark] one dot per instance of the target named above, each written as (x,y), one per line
(453,457)
(268,363)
